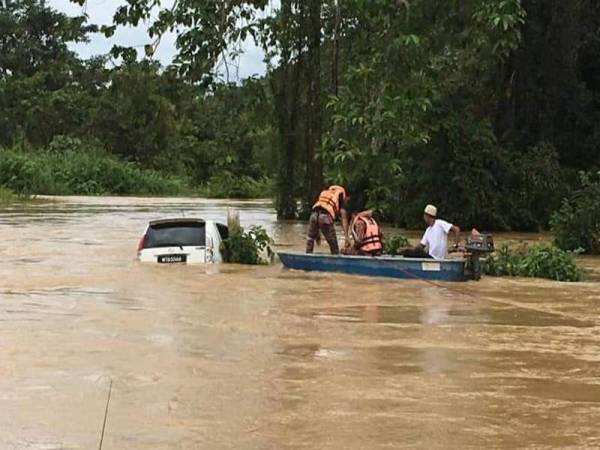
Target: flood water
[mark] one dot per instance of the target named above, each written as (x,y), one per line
(261,358)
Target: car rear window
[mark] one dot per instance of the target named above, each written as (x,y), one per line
(175,234)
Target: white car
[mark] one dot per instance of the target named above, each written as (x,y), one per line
(184,241)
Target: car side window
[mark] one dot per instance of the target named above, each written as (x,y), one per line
(223,231)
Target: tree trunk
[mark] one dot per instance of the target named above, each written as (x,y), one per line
(285,91)
(314,167)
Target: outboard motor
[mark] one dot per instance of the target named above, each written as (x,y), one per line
(476,246)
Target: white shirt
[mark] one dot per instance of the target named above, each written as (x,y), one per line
(435,239)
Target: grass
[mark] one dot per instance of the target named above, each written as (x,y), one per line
(8,197)
(78,168)
(227,185)
(81,172)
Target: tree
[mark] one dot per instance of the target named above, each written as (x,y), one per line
(209,31)
(134,119)
(550,82)
(39,95)
(412,121)
(488,108)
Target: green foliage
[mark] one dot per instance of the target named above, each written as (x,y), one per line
(539,261)
(248,247)
(8,197)
(227,185)
(487,186)
(392,245)
(576,225)
(137,120)
(484,107)
(70,166)
(233,135)
(424,131)
(502,22)
(138,111)
(457,103)
(37,95)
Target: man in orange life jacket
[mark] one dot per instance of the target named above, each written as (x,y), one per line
(329,206)
(366,234)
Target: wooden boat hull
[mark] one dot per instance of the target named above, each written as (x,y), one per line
(384,266)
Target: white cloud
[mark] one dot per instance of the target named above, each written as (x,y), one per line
(101,12)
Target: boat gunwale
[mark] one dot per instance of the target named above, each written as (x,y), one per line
(375,258)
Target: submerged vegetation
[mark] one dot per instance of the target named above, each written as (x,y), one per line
(248,247)
(538,261)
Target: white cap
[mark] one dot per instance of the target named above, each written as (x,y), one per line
(431,210)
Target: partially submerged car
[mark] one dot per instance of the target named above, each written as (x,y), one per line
(183,241)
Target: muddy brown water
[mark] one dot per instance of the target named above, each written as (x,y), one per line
(261,358)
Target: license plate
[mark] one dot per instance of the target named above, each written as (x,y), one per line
(172,259)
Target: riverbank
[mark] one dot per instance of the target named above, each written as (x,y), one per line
(91,171)
(85,172)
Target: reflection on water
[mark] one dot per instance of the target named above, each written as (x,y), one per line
(261,358)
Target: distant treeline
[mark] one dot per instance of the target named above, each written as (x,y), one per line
(488,108)
(217,137)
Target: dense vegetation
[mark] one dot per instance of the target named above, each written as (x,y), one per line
(489,108)
(7,197)
(137,111)
(539,261)
(576,225)
(67,166)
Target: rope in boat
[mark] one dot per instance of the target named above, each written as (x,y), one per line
(438,285)
(105,415)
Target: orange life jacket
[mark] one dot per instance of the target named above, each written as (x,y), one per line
(371,241)
(329,200)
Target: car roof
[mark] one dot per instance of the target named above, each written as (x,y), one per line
(176,220)
(183,220)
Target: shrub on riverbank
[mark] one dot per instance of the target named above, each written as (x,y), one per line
(538,261)
(82,169)
(247,247)
(576,225)
(227,185)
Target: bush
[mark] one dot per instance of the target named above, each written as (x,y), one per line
(72,167)
(534,188)
(576,225)
(228,185)
(392,246)
(7,197)
(539,261)
(252,247)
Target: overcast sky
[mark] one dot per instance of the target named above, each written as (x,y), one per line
(100,12)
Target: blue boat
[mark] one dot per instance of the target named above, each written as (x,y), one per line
(382,266)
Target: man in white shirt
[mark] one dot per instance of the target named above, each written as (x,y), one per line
(435,240)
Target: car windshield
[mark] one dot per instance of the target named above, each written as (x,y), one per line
(176,234)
